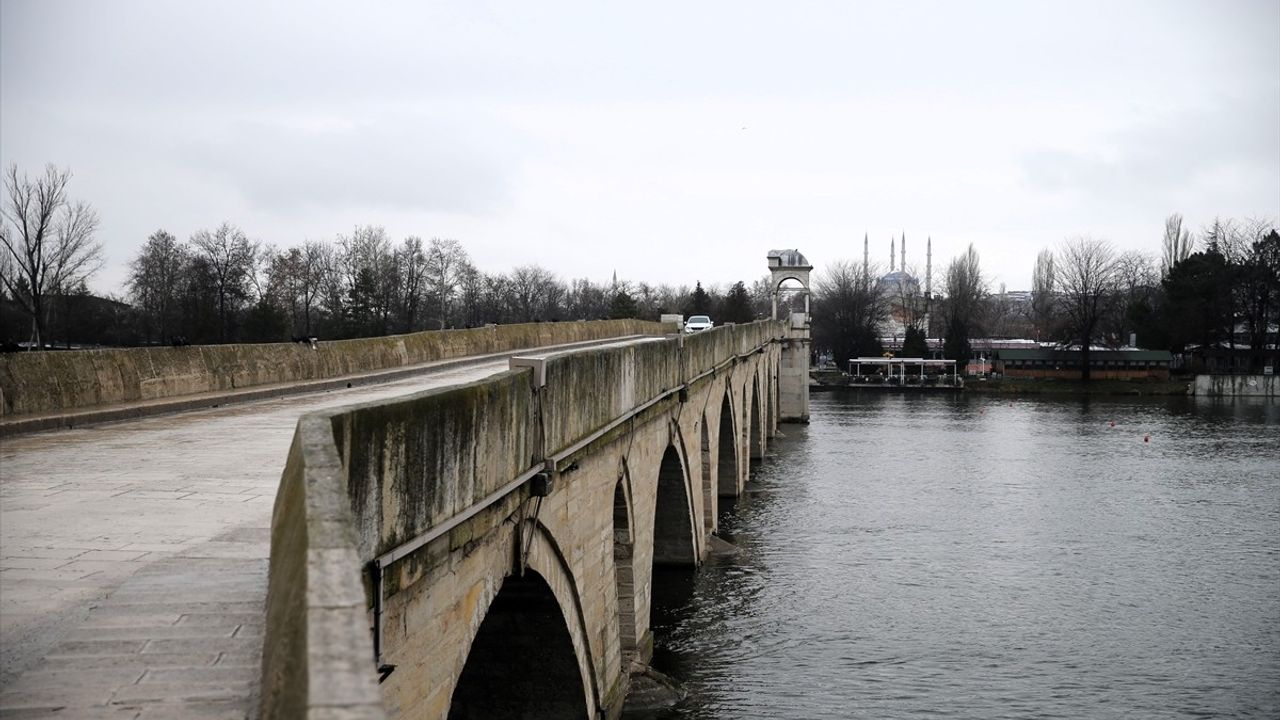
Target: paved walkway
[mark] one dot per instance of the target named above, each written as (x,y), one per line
(133,557)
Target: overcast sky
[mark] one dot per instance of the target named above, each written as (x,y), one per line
(671,142)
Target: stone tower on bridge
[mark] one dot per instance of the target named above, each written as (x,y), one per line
(793,375)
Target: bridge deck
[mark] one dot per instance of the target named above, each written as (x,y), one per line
(133,556)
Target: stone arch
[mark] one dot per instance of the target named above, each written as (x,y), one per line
(674,541)
(778,281)
(727,451)
(624,572)
(708,481)
(522,661)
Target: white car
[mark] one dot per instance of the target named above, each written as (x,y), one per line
(698,323)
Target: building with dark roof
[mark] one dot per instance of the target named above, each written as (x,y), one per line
(1066,364)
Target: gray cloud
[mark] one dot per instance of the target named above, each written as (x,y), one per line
(1161,160)
(402,163)
(589,136)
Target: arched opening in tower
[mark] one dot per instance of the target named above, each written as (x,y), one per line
(521,663)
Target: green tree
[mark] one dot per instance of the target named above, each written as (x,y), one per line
(265,322)
(1197,301)
(736,307)
(914,344)
(623,306)
(1257,286)
(699,302)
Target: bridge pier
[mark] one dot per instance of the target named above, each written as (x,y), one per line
(793,375)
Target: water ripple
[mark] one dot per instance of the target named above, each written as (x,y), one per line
(973,558)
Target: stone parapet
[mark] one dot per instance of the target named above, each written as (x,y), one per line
(317,658)
(44,382)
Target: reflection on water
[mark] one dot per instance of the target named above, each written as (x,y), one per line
(976,557)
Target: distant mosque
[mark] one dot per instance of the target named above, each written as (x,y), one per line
(907,305)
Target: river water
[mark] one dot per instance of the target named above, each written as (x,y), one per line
(976,557)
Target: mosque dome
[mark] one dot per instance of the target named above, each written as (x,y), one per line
(898,282)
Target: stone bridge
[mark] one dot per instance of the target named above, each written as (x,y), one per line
(499,537)
(464,527)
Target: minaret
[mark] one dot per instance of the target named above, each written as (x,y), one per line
(865,255)
(892,252)
(928,268)
(904,252)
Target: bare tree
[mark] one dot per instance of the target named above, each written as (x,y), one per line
(1086,276)
(534,293)
(908,305)
(848,308)
(372,280)
(966,290)
(1177,244)
(155,277)
(1002,314)
(333,287)
(1256,288)
(311,275)
(1042,294)
(444,260)
(1136,283)
(1226,238)
(48,242)
(230,258)
(412,261)
(496,297)
(471,293)
(586,300)
(295,279)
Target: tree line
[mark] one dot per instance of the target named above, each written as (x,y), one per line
(1219,287)
(220,285)
(1214,291)
(223,287)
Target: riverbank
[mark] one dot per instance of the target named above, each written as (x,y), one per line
(834,380)
(1077,387)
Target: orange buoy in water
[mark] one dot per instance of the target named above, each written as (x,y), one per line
(1146,438)
(1112,423)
